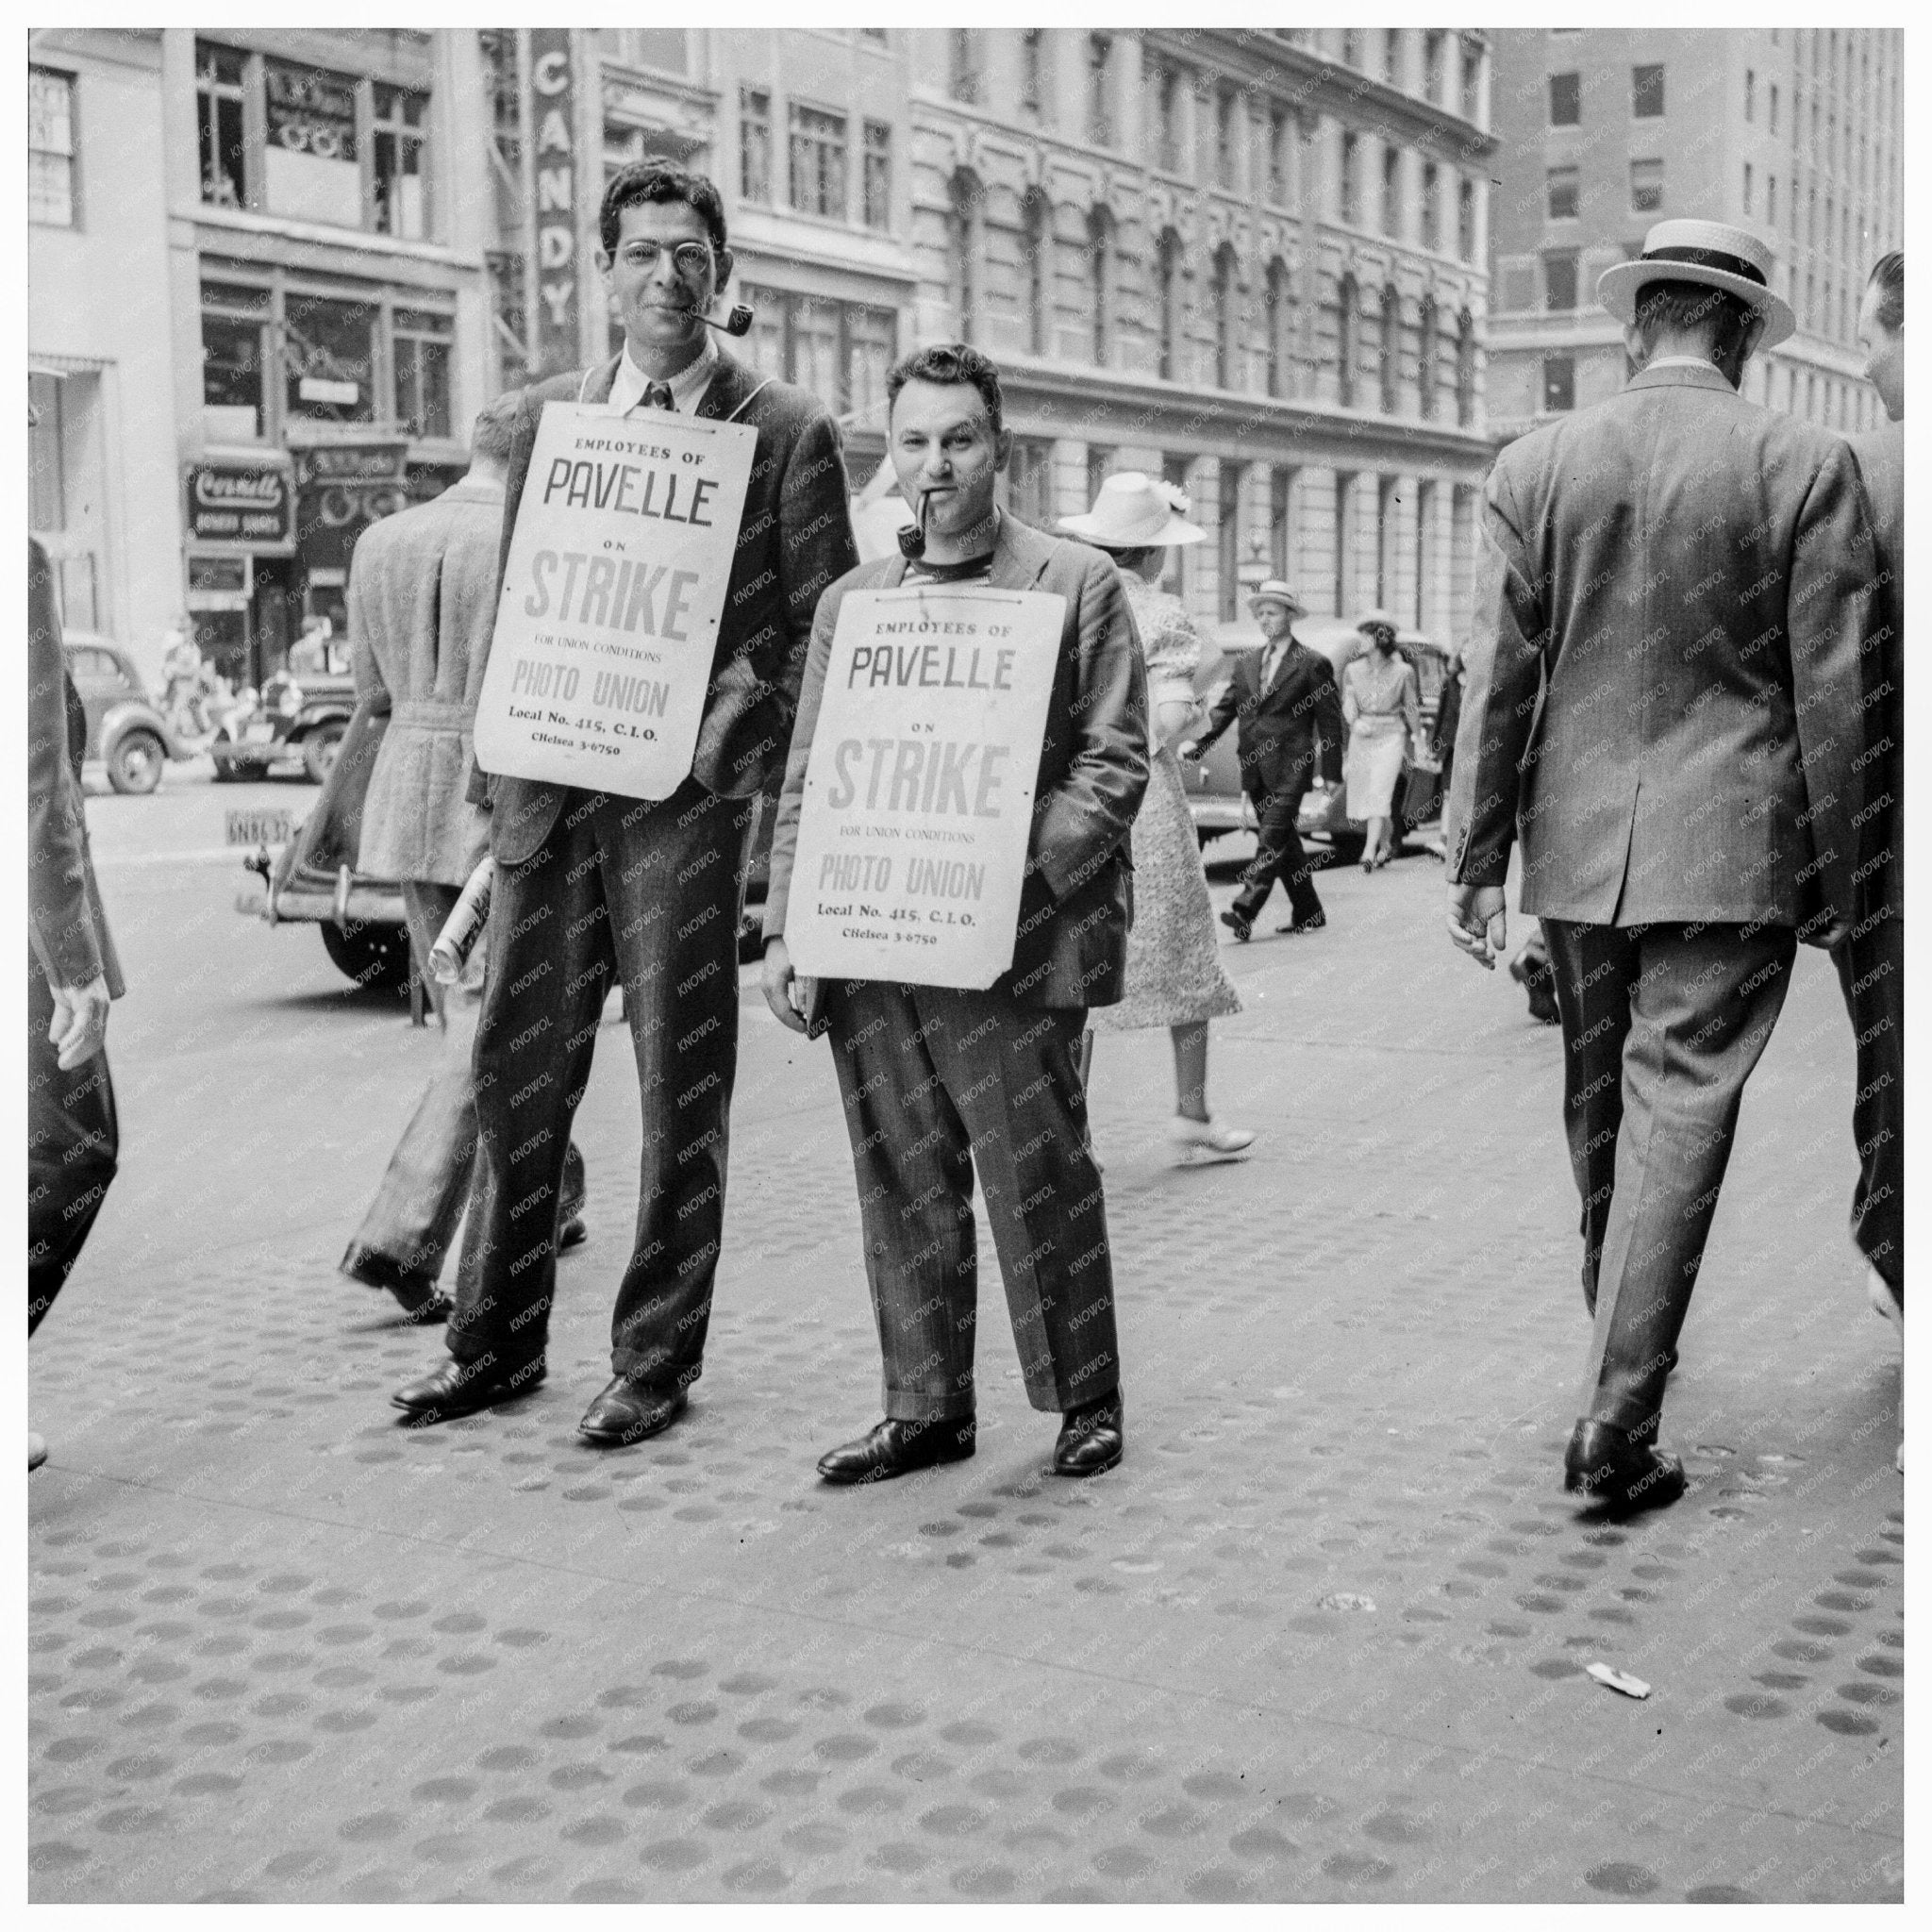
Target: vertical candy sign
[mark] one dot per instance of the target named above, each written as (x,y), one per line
(608,624)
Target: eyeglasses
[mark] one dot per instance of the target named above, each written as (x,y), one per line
(691,259)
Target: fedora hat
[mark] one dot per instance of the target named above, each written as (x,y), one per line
(1712,253)
(1135,511)
(1276,591)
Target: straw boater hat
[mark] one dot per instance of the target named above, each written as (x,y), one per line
(1135,511)
(1712,253)
(1276,591)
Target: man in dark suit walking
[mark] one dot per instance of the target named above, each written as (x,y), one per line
(72,1137)
(1664,703)
(1290,707)
(591,887)
(942,1083)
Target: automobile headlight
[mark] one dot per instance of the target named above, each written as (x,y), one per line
(289,702)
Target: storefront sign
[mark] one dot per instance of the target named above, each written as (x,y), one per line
(919,796)
(612,596)
(236,503)
(553,115)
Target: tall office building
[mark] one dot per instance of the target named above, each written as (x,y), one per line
(1793,133)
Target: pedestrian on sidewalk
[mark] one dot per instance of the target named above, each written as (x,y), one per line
(942,1084)
(1290,711)
(1175,975)
(1665,704)
(73,971)
(1870,963)
(590,888)
(1381,703)
(422,600)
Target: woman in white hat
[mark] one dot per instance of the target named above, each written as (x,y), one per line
(1175,975)
(1381,703)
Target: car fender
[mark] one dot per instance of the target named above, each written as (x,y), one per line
(132,714)
(329,711)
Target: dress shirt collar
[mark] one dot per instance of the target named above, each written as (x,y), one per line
(686,387)
(1683,362)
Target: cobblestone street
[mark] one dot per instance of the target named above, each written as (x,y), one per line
(1321,1635)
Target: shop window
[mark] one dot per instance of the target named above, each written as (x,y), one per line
(878,184)
(1646,186)
(401,118)
(1647,94)
(329,358)
(50,147)
(234,324)
(1559,279)
(422,337)
(1566,100)
(817,162)
(1561,189)
(1560,383)
(754,144)
(310,168)
(220,118)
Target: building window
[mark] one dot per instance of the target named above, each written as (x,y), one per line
(1432,207)
(963,224)
(1280,495)
(1229,516)
(1035,242)
(1168,269)
(1750,95)
(233,328)
(1351,47)
(422,337)
(839,351)
(1347,340)
(1646,186)
(329,357)
(1029,481)
(817,162)
(1561,189)
(1167,118)
(1100,270)
(1747,188)
(1647,93)
(1770,201)
(1559,279)
(400,133)
(310,162)
(878,184)
(1426,360)
(220,96)
(1392,188)
(1390,348)
(1099,468)
(1566,100)
(1432,65)
(1347,534)
(1228,351)
(1100,90)
(1278,156)
(1472,84)
(1772,105)
(1391,56)
(754,144)
(1224,137)
(1279,301)
(1465,220)
(964,79)
(1560,383)
(50,147)
(1351,180)
(1465,369)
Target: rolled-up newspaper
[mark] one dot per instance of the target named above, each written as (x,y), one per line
(458,939)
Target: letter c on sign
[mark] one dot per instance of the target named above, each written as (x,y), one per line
(550,74)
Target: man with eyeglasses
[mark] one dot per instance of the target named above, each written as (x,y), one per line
(590,888)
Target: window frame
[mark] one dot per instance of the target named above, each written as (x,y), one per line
(786,305)
(1572,177)
(753,118)
(1574,77)
(1640,207)
(1553,363)
(1569,259)
(821,142)
(70,81)
(1638,84)
(876,173)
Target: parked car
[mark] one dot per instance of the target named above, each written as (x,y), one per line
(1214,792)
(300,715)
(312,877)
(125,731)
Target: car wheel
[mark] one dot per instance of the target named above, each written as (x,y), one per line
(319,750)
(368,953)
(136,762)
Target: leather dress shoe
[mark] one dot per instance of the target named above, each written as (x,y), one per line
(898,1448)
(628,1413)
(453,1389)
(1092,1437)
(1242,929)
(1538,979)
(1295,927)
(1620,1469)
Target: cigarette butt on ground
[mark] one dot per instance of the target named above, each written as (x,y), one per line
(1619,1680)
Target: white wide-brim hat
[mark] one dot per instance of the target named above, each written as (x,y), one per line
(1712,253)
(1135,511)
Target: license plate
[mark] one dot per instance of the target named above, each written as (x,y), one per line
(273,826)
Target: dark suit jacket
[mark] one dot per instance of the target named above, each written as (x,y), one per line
(67,927)
(794,540)
(1078,899)
(1285,730)
(1664,681)
(1881,459)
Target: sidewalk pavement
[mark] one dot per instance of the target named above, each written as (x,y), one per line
(1321,1636)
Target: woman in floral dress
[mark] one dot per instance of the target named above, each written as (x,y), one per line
(1175,975)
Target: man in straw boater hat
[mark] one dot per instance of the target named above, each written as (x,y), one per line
(1290,710)
(1664,703)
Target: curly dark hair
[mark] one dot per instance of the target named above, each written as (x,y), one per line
(948,362)
(657,178)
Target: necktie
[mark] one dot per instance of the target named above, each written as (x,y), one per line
(1271,663)
(657,397)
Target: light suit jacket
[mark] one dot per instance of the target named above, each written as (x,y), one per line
(1078,898)
(422,600)
(1664,681)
